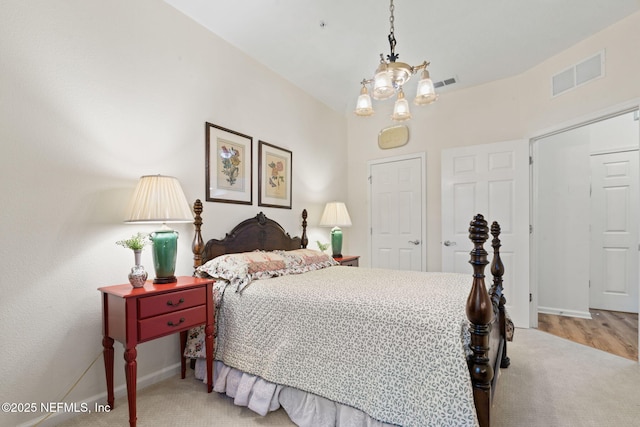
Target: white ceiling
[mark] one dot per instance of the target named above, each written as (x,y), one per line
(473,41)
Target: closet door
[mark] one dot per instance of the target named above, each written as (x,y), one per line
(614,231)
(398,214)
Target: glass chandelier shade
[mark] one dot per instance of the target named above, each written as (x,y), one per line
(426,93)
(363,106)
(401,108)
(382,83)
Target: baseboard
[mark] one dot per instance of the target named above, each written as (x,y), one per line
(563,312)
(101,399)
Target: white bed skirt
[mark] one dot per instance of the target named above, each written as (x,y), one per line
(304,409)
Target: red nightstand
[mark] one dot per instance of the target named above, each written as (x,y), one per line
(135,315)
(349,260)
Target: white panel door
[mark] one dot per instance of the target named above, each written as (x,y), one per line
(397,214)
(493,180)
(614,231)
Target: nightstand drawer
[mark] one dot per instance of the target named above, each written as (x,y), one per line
(348,260)
(167,303)
(166,324)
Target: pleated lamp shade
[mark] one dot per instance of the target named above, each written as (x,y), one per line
(158,199)
(335,214)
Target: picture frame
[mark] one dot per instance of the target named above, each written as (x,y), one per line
(229,166)
(274,176)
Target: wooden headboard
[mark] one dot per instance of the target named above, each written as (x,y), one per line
(254,233)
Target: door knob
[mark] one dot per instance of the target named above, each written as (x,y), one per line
(449,243)
(415,242)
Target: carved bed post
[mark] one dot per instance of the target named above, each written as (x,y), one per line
(198,244)
(480,314)
(497,270)
(304,240)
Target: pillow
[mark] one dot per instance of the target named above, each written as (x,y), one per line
(307,259)
(240,269)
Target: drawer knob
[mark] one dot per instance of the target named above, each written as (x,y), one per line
(170,323)
(171,303)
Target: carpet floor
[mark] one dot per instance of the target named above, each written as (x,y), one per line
(551,382)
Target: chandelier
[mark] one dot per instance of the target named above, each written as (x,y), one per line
(389,78)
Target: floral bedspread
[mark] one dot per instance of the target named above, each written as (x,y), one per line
(390,343)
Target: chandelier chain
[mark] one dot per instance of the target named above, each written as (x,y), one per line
(392,38)
(391,18)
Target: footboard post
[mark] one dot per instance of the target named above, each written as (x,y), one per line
(497,270)
(480,314)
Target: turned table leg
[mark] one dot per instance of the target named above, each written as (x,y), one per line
(183,360)
(209,335)
(208,342)
(130,370)
(107,354)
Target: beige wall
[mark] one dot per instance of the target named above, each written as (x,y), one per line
(93,95)
(514,108)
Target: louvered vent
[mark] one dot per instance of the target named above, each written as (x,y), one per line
(583,72)
(446,82)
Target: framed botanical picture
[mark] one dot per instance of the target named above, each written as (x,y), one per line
(229,166)
(274,176)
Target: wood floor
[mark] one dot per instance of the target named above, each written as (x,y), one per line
(612,331)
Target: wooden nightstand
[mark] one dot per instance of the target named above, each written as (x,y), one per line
(135,315)
(349,260)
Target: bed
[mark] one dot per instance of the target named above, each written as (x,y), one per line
(337,345)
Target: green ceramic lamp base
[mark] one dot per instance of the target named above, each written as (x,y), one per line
(165,252)
(336,242)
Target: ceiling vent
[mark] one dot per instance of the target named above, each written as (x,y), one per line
(583,72)
(446,82)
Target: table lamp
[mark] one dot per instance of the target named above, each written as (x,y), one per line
(159,199)
(335,215)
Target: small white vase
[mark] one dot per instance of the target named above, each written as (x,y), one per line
(138,275)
